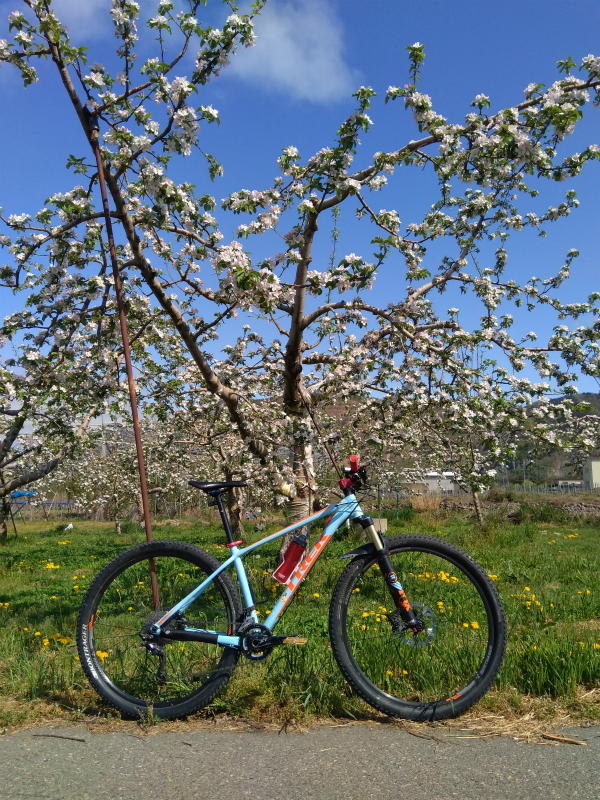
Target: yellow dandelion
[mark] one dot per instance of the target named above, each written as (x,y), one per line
(37,633)
(102,654)
(365,613)
(316,594)
(465,624)
(404,672)
(475,625)
(527,589)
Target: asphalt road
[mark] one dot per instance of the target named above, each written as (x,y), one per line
(352,762)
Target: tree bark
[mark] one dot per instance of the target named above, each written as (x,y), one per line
(236,510)
(478,510)
(4,515)
(4,512)
(304,479)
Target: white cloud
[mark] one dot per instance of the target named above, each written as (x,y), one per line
(84,17)
(299,52)
(89,18)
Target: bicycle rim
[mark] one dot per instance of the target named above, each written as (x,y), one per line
(452,662)
(125,672)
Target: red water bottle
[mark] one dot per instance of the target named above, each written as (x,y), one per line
(291,558)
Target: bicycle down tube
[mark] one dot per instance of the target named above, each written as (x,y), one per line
(345,509)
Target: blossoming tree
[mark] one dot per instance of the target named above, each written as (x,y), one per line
(328,339)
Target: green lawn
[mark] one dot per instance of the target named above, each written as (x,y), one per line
(547,575)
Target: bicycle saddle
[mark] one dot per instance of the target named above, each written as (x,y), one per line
(209,486)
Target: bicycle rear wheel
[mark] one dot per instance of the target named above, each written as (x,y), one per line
(439,672)
(118,606)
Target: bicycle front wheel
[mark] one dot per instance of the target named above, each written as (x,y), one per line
(179,677)
(440,671)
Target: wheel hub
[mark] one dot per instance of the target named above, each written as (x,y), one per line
(420,634)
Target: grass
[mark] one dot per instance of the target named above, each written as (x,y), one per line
(546,572)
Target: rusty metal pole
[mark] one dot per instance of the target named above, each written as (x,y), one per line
(127,354)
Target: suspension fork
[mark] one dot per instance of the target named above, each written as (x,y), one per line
(385,564)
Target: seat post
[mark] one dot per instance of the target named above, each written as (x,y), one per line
(224,519)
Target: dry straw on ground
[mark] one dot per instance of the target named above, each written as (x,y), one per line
(537,722)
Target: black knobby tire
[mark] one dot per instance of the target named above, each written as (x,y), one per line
(443,670)
(119,602)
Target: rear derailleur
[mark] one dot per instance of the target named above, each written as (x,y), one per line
(154,644)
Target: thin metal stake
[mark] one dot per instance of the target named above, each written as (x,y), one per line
(127,354)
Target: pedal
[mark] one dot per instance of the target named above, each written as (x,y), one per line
(272,641)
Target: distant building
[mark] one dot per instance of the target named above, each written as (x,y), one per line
(440,483)
(591,473)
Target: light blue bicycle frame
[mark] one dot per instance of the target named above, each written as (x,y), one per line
(348,508)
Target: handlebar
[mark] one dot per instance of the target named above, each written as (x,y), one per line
(355,476)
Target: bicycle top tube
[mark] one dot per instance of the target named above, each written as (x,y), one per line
(340,512)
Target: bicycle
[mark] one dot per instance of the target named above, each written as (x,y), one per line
(416,626)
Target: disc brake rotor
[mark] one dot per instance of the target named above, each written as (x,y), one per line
(427,624)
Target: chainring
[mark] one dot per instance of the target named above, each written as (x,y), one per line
(252,634)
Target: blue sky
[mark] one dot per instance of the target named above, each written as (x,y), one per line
(295,87)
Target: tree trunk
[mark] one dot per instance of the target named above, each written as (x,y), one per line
(299,507)
(4,512)
(138,513)
(235,504)
(477,504)
(4,515)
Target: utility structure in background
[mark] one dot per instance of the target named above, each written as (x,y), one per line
(94,129)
